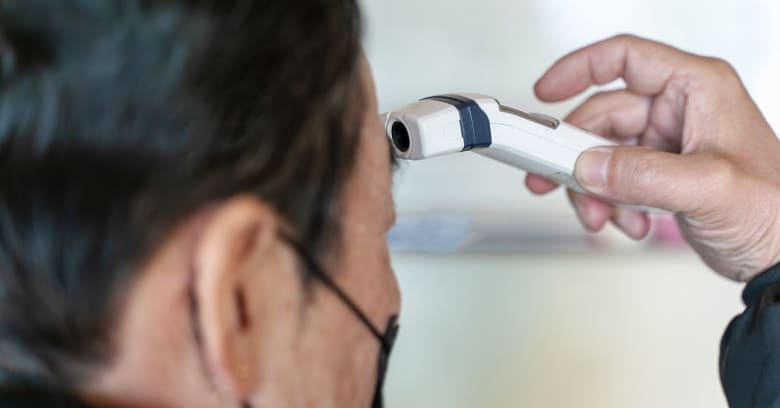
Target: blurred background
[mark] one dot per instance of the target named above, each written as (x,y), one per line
(507,302)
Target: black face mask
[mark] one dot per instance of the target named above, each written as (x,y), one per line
(386,340)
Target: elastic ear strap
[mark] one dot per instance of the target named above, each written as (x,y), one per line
(318,273)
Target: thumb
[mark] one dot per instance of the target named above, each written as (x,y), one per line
(642,176)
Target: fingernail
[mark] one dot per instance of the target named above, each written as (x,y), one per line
(591,168)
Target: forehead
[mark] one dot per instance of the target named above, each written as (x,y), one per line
(368,193)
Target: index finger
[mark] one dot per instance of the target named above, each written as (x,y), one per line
(645,65)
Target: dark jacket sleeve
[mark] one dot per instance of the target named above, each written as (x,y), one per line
(750,348)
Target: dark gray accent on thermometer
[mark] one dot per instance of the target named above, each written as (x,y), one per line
(474,122)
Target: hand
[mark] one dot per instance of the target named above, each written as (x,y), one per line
(694,143)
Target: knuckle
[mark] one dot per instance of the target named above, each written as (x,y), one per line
(644,170)
(719,69)
(721,65)
(626,38)
(723,177)
(634,169)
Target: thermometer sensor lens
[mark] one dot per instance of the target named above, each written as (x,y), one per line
(400,135)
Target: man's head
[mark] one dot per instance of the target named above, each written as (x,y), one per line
(155,157)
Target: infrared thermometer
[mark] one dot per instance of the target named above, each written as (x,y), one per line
(453,123)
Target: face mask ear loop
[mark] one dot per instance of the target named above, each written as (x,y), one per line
(386,339)
(320,275)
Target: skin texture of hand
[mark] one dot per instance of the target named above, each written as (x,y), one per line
(693,143)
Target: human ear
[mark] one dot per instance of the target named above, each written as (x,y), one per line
(246,288)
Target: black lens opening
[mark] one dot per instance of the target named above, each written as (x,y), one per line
(401,137)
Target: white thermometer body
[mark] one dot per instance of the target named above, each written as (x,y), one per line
(469,122)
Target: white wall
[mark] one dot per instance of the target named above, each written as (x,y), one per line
(563,331)
(555,329)
(500,47)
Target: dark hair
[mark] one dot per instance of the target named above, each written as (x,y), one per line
(120,118)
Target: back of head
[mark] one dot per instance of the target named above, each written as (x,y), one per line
(119,118)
